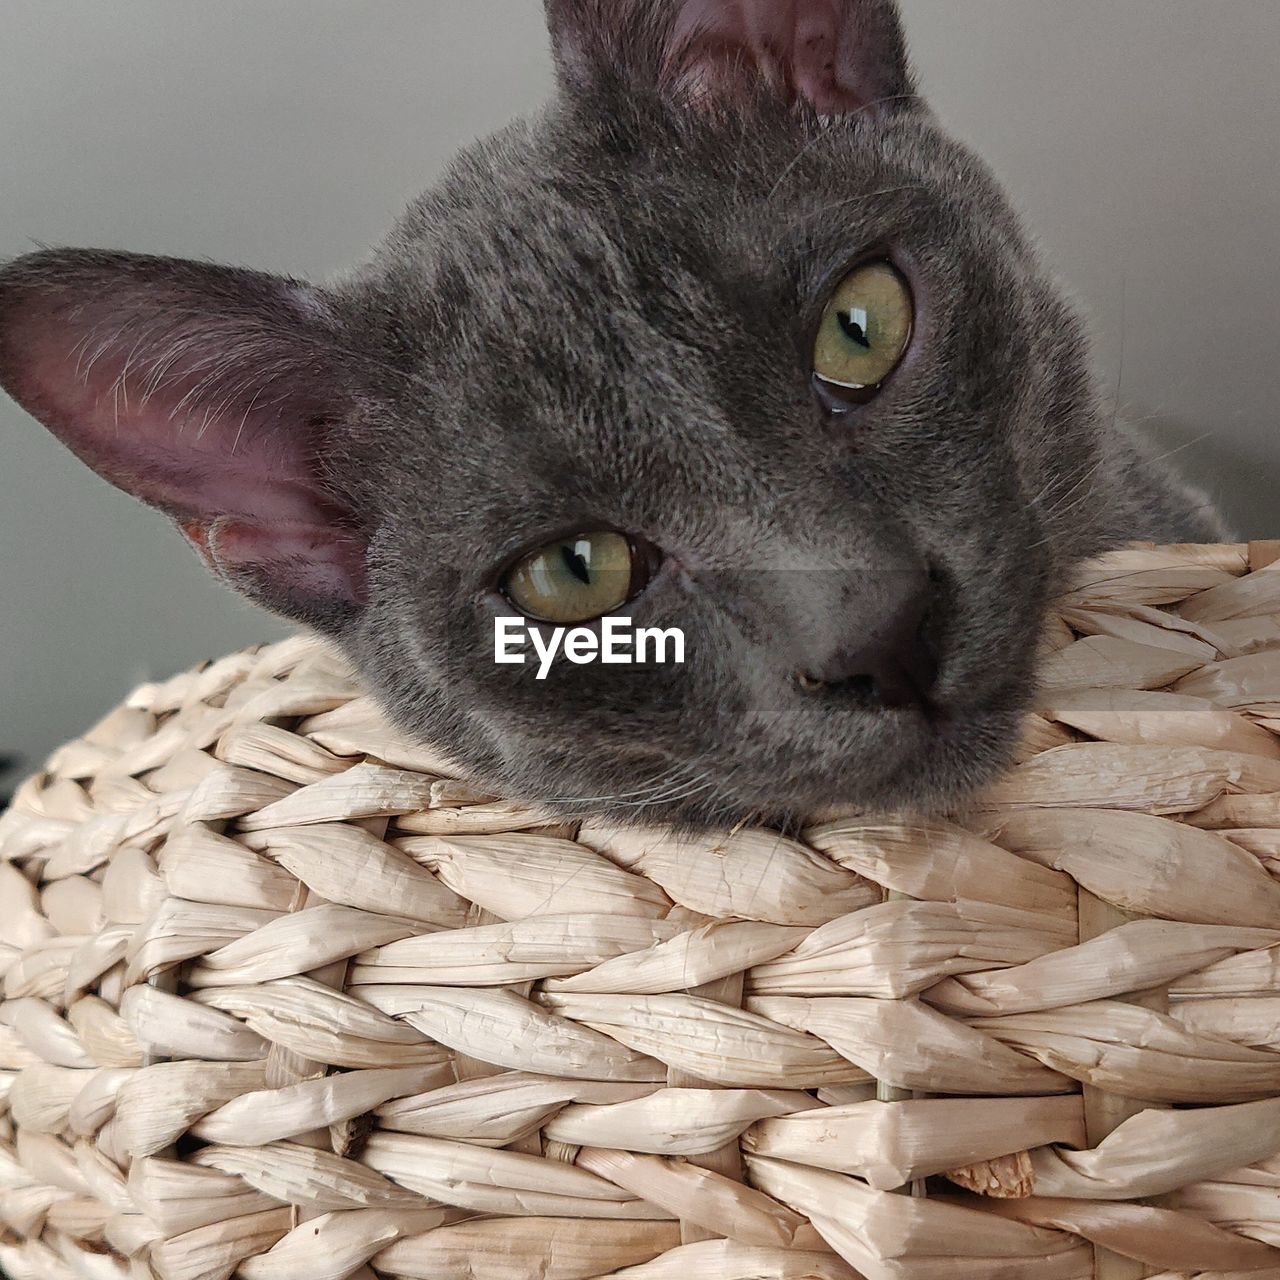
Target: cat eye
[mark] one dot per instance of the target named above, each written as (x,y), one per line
(865,332)
(579,579)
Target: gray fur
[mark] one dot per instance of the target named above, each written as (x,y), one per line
(603,316)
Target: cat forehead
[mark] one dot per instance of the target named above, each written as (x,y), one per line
(561,179)
(556,234)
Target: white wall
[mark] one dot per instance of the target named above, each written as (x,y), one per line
(1142,138)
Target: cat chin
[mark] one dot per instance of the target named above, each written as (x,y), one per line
(935,768)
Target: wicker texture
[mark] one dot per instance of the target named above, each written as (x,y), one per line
(283,999)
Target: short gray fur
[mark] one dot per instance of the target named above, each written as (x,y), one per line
(603,316)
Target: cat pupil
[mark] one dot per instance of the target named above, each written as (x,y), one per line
(854,331)
(577,565)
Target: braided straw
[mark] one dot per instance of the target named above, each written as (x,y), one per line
(283,999)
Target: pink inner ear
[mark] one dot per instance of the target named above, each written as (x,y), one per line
(818,62)
(214,416)
(180,425)
(804,48)
(317,562)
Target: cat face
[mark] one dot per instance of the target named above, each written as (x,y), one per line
(733,316)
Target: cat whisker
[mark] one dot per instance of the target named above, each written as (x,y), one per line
(863,198)
(1190,444)
(825,133)
(667,779)
(690,788)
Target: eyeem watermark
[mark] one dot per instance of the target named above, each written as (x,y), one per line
(616,642)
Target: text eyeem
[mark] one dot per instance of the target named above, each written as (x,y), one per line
(615,642)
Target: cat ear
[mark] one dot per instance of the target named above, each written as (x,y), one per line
(209,392)
(839,56)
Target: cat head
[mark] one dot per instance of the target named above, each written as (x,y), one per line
(731,338)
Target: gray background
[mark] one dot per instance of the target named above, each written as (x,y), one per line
(1141,138)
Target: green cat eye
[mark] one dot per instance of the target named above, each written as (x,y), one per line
(865,329)
(576,579)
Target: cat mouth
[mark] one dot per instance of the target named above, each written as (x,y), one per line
(929,758)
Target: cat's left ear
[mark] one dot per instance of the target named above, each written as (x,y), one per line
(839,56)
(213,393)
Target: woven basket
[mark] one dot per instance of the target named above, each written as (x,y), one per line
(284,1000)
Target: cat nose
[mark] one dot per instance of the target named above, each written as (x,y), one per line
(892,664)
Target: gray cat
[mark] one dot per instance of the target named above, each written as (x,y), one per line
(730,337)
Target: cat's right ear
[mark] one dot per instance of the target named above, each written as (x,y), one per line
(212,393)
(836,56)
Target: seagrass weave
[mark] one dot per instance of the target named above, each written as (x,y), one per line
(285,1000)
